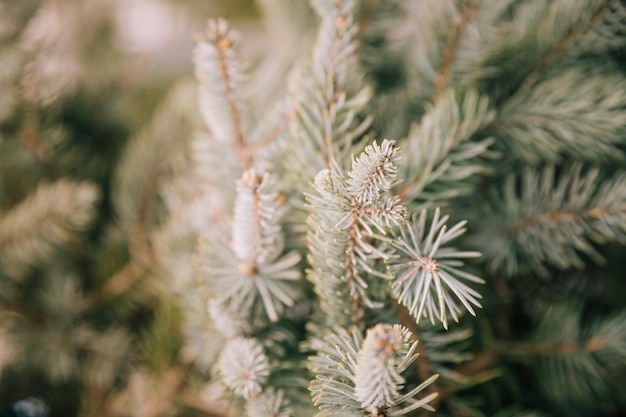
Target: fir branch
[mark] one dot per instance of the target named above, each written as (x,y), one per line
(425,271)
(264,138)
(330,92)
(468,12)
(220,75)
(444,156)
(357,377)
(341,228)
(138,176)
(575,362)
(243,367)
(270,403)
(552,219)
(576,112)
(252,274)
(50,218)
(551,56)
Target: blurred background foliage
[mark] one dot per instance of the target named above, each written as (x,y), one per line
(88,322)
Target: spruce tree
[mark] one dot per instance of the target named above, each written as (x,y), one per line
(402,208)
(429,217)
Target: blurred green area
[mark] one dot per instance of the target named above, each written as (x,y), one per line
(79,80)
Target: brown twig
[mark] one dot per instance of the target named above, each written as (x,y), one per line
(553,55)
(222,44)
(170,385)
(31,139)
(501,321)
(142,252)
(404,191)
(447,59)
(276,132)
(120,281)
(350,274)
(562,215)
(490,359)
(563,348)
(369,6)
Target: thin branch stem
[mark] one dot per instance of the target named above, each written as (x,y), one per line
(243,153)
(276,132)
(447,59)
(120,282)
(502,324)
(170,385)
(563,215)
(501,349)
(369,6)
(551,58)
(557,51)
(31,139)
(404,191)
(490,359)
(341,23)
(564,348)
(351,272)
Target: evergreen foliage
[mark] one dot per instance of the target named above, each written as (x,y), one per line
(423,210)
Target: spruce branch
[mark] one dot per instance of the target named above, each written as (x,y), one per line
(268,139)
(330,93)
(252,271)
(362,377)
(568,39)
(444,156)
(576,112)
(270,403)
(138,177)
(258,211)
(47,220)
(520,43)
(577,363)
(373,171)
(425,271)
(468,12)
(244,367)
(554,218)
(221,77)
(607,33)
(328,257)
(342,221)
(506,61)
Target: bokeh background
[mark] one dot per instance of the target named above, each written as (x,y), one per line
(89,324)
